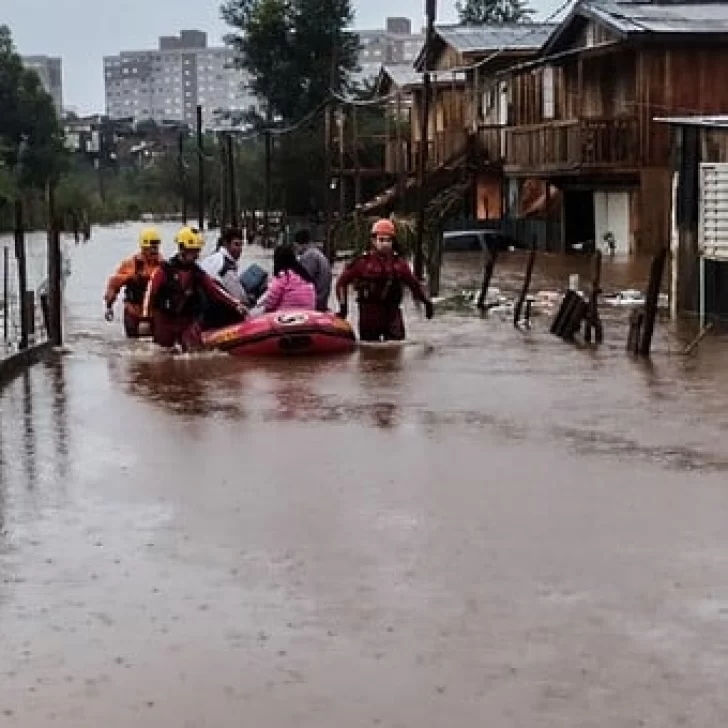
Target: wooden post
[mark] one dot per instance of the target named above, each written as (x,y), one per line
(593,321)
(200,173)
(491,258)
(328,130)
(55,271)
(401,166)
(652,300)
(182,173)
(435,264)
(20,256)
(268,162)
(636,321)
(424,142)
(341,123)
(224,209)
(232,184)
(526,285)
(6,293)
(355,152)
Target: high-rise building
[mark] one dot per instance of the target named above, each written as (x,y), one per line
(393,44)
(168,83)
(50,72)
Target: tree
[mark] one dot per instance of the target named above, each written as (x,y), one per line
(481,12)
(293,50)
(28,121)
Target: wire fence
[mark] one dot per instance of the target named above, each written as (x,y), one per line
(36,246)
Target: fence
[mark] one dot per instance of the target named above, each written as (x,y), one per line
(36,246)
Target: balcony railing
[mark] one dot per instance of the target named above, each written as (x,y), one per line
(578,144)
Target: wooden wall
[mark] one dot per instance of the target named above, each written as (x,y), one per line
(678,81)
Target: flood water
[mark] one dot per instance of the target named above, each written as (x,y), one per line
(483,527)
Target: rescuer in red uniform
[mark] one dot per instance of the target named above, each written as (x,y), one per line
(379,278)
(179,293)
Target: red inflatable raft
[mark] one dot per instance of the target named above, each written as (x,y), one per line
(284,333)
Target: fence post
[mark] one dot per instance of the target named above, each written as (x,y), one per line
(22,272)
(6,293)
(54,321)
(526,284)
(652,301)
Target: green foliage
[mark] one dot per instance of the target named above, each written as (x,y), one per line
(481,12)
(31,139)
(293,50)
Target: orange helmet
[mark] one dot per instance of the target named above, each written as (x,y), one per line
(384,227)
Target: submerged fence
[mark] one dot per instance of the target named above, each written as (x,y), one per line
(11,310)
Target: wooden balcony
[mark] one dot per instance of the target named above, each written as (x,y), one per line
(492,142)
(563,147)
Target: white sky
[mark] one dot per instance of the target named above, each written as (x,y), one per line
(83,31)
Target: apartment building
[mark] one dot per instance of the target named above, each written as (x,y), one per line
(168,83)
(50,72)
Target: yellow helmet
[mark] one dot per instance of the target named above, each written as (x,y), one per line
(149,236)
(190,238)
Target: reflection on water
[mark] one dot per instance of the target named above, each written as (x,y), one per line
(35,441)
(28,429)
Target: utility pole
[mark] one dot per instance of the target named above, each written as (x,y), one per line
(268,163)
(341,122)
(182,173)
(329,197)
(355,154)
(430,9)
(232,186)
(328,150)
(200,173)
(224,209)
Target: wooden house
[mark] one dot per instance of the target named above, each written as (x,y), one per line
(583,113)
(469,107)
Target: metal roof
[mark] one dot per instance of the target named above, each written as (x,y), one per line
(402,74)
(504,37)
(659,17)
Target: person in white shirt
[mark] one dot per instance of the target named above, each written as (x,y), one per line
(222,265)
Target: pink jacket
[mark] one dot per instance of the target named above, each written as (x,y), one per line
(288,290)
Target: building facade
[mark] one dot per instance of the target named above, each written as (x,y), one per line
(582,116)
(393,44)
(50,72)
(168,83)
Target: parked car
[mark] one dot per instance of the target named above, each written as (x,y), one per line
(478,240)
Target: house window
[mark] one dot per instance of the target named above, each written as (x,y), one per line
(549,101)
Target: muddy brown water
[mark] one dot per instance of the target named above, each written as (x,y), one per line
(483,527)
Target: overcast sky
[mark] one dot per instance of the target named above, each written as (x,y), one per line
(83,31)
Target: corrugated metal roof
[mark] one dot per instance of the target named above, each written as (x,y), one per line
(402,74)
(634,17)
(507,36)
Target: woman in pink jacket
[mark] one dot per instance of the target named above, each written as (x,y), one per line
(291,287)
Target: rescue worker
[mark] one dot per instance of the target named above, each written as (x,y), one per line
(179,292)
(379,278)
(133,275)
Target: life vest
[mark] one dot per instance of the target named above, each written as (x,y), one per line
(136,287)
(379,281)
(176,297)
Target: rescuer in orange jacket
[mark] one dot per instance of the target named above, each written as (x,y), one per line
(133,275)
(180,292)
(379,278)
